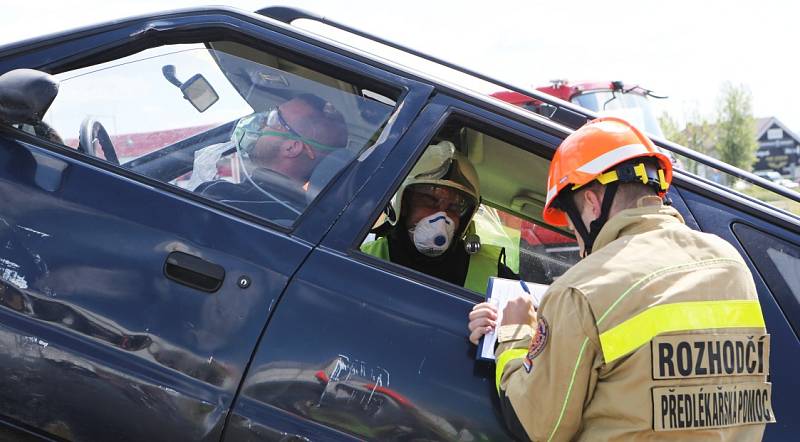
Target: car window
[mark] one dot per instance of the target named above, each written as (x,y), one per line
(740,186)
(536,252)
(239,125)
(505,227)
(778,262)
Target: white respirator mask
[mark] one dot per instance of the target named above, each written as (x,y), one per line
(433,234)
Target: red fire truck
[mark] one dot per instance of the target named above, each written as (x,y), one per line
(629,101)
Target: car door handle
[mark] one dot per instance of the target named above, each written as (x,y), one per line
(194,272)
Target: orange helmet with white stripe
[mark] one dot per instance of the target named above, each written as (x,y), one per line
(592,153)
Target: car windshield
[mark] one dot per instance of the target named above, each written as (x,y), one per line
(631,106)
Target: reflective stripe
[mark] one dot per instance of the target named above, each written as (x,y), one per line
(569,390)
(640,329)
(504,358)
(551,193)
(608,159)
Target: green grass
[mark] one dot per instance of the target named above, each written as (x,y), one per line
(772,198)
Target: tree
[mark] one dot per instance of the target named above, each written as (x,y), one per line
(699,135)
(736,133)
(670,128)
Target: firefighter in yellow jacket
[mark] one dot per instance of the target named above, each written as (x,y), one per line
(432,218)
(656,334)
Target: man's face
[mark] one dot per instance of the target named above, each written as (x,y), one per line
(424,200)
(290,120)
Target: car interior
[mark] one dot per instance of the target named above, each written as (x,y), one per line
(162,125)
(513,176)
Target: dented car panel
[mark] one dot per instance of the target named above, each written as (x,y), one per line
(89,318)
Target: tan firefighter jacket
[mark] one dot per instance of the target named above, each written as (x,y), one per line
(658,334)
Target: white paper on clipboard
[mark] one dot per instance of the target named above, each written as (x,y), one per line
(499,291)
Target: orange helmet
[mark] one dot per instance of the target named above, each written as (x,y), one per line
(592,152)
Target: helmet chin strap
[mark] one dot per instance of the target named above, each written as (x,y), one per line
(589,236)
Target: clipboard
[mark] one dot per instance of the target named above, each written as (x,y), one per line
(499,291)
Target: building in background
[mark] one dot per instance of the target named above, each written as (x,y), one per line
(778,148)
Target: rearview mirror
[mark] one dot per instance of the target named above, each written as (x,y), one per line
(199,92)
(196,90)
(25,96)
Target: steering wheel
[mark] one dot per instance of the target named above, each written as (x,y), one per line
(93,133)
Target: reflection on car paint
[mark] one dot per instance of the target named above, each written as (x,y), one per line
(351,395)
(35,232)
(8,273)
(345,369)
(23,301)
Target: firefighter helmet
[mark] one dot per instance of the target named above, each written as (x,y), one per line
(441,165)
(592,152)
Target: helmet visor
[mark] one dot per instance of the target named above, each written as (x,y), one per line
(454,202)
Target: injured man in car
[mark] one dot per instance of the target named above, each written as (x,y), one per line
(279,150)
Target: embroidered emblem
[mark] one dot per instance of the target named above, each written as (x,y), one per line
(538,343)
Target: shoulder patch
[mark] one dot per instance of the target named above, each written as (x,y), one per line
(538,342)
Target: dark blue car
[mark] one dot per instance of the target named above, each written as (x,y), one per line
(137,304)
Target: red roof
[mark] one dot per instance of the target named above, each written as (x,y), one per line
(138,144)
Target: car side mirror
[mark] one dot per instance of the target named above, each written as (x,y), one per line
(196,90)
(25,96)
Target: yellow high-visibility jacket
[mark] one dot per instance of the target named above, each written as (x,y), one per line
(482,265)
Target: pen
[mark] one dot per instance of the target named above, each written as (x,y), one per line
(524,286)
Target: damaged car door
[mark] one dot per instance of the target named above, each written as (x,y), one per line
(131,301)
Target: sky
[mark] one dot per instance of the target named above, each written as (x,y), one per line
(685,49)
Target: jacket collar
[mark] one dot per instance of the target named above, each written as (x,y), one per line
(649,214)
